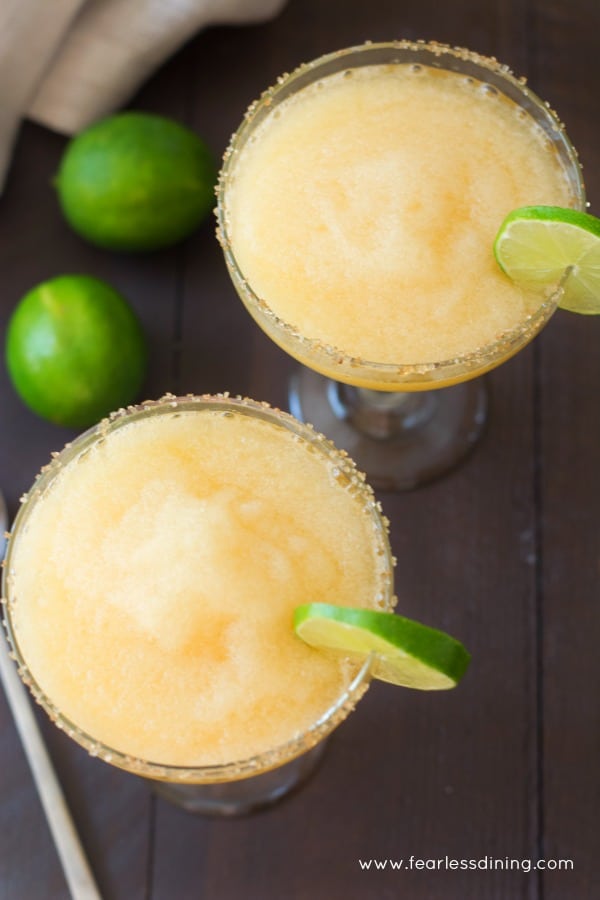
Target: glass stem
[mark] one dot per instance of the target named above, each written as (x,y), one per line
(381,414)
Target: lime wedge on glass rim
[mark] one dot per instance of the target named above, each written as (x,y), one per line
(542,246)
(405,652)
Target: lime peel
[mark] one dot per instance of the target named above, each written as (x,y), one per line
(404,652)
(75,350)
(136,181)
(553,247)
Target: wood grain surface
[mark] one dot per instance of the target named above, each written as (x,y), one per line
(503,552)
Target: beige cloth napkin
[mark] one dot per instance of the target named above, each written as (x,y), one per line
(66,63)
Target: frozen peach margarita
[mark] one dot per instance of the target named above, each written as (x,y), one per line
(154,570)
(362,210)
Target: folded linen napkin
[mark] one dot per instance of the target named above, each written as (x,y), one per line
(66,63)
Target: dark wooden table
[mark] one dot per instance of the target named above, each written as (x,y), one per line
(504,552)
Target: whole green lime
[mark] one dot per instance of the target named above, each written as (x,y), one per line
(75,350)
(136,181)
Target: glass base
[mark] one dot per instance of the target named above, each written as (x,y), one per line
(235,798)
(400,440)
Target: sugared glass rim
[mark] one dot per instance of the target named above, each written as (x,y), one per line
(330,360)
(262,762)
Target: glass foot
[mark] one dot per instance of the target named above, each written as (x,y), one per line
(235,798)
(400,440)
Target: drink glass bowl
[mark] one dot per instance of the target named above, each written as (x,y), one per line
(403,424)
(242,784)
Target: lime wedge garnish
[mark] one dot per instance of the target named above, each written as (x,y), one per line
(544,246)
(404,651)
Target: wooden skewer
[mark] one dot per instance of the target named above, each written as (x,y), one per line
(75,866)
(77,872)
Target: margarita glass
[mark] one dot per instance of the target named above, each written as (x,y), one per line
(357,208)
(150,583)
